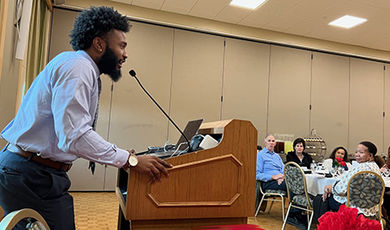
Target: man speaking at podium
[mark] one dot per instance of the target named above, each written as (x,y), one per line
(56,121)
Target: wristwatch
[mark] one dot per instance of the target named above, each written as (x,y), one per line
(133,160)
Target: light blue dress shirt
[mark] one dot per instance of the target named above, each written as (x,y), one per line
(268,164)
(56,115)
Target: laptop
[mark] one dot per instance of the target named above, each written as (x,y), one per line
(190,131)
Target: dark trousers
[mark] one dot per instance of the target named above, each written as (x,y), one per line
(26,184)
(273,184)
(333,204)
(320,207)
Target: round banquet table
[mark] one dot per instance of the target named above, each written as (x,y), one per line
(316,183)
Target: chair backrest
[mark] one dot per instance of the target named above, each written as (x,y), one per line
(365,190)
(295,180)
(13,218)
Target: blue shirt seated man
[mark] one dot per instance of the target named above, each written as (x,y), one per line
(269,168)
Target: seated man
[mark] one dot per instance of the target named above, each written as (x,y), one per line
(269,168)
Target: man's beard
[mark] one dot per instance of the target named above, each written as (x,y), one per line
(108,65)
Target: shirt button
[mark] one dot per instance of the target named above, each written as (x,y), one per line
(118,162)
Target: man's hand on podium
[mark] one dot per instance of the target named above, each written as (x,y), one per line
(152,166)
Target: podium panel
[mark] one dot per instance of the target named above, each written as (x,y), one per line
(215,185)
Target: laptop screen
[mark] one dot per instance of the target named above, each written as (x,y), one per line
(190,131)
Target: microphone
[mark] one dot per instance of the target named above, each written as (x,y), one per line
(133,74)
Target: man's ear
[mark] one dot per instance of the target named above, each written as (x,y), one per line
(99,45)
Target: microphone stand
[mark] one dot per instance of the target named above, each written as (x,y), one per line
(133,74)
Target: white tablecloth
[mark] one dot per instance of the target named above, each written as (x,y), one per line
(316,183)
(387,181)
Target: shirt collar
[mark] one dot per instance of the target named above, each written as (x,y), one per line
(267,151)
(86,55)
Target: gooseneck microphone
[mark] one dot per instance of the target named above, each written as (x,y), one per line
(133,74)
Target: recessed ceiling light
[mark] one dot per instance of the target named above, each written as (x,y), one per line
(251,4)
(347,21)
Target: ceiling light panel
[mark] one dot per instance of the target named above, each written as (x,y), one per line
(347,21)
(250,4)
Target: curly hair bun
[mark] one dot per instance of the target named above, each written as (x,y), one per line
(96,22)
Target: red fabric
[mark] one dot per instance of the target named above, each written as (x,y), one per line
(231,227)
(346,219)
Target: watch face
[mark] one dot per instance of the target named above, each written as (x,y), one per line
(133,161)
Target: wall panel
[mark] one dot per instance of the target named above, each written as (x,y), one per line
(330,99)
(196,79)
(289,91)
(245,83)
(366,103)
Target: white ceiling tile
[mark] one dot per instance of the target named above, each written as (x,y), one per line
(178,6)
(233,14)
(152,4)
(208,9)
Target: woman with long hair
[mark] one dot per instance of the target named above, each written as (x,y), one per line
(338,155)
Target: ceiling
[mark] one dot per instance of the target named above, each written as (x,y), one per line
(307,18)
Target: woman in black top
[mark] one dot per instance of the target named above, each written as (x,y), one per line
(298,155)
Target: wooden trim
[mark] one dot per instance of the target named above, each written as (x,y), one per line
(191,166)
(194,204)
(206,161)
(216,127)
(3,25)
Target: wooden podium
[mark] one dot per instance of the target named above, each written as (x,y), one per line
(209,187)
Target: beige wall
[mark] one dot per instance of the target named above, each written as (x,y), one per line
(9,70)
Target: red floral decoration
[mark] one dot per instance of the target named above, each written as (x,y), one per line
(340,161)
(346,219)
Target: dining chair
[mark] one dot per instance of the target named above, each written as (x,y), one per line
(270,195)
(34,220)
(365,189)
(296,186)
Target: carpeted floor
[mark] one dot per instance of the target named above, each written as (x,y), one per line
(95,210)
(99,211)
